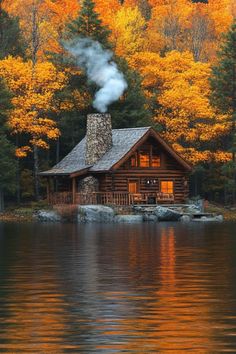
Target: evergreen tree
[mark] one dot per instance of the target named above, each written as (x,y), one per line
(129,111)
(223,84)
(88,25)
(11,42)
(7,160)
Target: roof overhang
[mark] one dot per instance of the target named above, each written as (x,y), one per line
(80,172)
(52,174)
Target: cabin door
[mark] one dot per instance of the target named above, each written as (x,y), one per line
(133,186)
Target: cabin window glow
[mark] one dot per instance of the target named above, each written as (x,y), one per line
(167,187)
(156,161)
(144,159)
(134,161)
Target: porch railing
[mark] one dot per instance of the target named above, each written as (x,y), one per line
(117,198)
(60,198)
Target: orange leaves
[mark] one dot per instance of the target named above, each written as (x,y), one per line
(182,87)
(23,151)
(107,9)
(182,25)
(61,11)
(33,89)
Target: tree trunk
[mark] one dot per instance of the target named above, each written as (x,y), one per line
(195,184)
(18,196)
(1,200)
(58,150)
(36,173)
(234,153)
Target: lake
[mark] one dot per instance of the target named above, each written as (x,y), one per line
(149,288)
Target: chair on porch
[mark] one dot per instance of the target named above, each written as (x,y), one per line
(138,198)
(165,197)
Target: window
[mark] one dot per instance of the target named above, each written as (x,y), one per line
(134,161)
(167,187)
(147,156)
(144,159)
(156,161)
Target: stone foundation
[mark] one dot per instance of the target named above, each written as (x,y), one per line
(88,185)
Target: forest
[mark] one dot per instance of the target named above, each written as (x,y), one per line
(177,56)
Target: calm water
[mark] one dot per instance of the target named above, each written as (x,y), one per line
(167,288)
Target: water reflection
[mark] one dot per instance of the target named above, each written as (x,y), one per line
(105,289)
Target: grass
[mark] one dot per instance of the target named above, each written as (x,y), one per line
(23,213)
(229,213)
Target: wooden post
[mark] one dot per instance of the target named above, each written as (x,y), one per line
(73,190)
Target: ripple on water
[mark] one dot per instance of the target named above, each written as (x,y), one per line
(110,289)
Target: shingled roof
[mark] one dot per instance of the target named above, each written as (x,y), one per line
(123,141)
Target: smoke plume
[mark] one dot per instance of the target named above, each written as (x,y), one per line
(100,69)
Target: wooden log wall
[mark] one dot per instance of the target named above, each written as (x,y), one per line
(118,182)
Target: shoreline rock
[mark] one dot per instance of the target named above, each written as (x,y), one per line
(166,214)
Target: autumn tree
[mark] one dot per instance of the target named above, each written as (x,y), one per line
(128,31)
(106,10)
(183,111)
(7,160)
(33,99)
(184,25)
(143,6)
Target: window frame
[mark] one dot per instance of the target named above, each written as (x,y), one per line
(167,180)
(150,152)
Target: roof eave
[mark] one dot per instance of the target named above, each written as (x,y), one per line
(48,174)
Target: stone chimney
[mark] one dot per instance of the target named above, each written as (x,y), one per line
(99,136)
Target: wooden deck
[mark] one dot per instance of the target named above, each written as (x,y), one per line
(112,198)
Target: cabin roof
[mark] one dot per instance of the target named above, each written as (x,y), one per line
(124,141)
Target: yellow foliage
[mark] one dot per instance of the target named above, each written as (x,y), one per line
(23,151)
(33,89)
(128,31)
(183,95)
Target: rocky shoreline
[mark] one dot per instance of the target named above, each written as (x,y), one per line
(112,214)
(107,214)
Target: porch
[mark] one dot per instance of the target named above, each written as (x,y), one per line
(110,198)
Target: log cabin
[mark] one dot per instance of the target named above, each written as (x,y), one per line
(118,166)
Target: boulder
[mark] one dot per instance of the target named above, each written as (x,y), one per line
(166,214)
(193,209)
(149,217)
(129,218)
(47,216)
(95,213)
(218,218)
(185,218)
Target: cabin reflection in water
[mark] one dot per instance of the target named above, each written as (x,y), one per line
(173,317)
(132,288)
